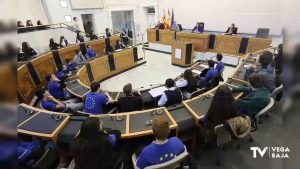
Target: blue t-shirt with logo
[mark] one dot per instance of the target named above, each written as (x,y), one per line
(49,105)
(91,53)
(158,153)
(94,102)
(61,75)
(56,90)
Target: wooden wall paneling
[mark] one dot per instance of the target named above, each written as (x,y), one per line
(25,84)
(98,45)
(83,76)
(123,59)
(166,37)
(100,68)
(227,44)
(151,35)
(257,44)
(200,40)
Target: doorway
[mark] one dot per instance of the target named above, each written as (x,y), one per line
(123,21)
(88,23)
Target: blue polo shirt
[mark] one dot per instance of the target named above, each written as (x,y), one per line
(220,66)
(61,75)
(91,53)
(158,153)
(55,90)
(71,67)
(49,105)
(211,73)
(94,102)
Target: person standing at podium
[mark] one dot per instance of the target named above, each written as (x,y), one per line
(171,96)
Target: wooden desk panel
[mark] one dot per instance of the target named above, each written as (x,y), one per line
(83,76)
(100,68)
(123,59)
(257,44)
(227,44)
(44,65)
(8,82)
(67,52)
(25,84)
(200,40)
(113,40)
(166,37)
(151,35)
(99,46)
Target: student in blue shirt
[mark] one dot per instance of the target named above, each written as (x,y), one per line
(48,102)
(71,67)
(95,100)
(90,52)
(62,73)
(79,57)
(220,64)
(56,87)
(162,149)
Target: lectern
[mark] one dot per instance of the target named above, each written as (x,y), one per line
(182,53)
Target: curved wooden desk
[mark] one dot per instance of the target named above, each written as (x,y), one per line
(204,42)
(132,125)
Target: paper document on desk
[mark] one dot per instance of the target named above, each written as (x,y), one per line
(178,53)
(196,71)
(118,50)
(157,91)
(203,65)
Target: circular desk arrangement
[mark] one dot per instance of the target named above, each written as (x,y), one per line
(183,118)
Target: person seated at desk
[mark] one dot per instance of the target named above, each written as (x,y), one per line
(53,45)
(108,48)
(119,45)
(175,26)
(256,97)
(162,149)
(90,53)
(62,73)
(231,30)
(93,36)
(29,25)
(199,28)
(188,83)
(79,57)
(56,87)
(93,147)
(63,42)
(220,64)
(132,100)
(160,25)
(71,67)
(267,75)
(40,25)
(221,109)
(171,96)
(50,103)
(95,100)
(21,56)
(20,24)
(28,50)
(208,74)
(107,33)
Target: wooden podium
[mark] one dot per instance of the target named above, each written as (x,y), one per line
(182,53)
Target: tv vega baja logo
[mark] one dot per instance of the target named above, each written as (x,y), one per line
(271,152)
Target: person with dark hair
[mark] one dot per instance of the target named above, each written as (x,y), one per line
(171,96)
(188,83)
(93,36)
(232,30)
(199,28)
(79,37)
(90,52)
(79,57)
(62,73)
(53,45)
(108,48)
(267,75)
(63,42)
(96,99)
(107,33)
(160,25)
(71,67)
(221,109)
(21,55)
(56,87)
(40,25)
(94,147)
(256,97)
(28,50)
(279,59)
(119,45)
(48,102)
(162,149)
(29,23)
(132,101)
(20,24)
(208,74)
(220,64)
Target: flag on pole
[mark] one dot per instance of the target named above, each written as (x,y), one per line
(172,20)
(168,23)
(164,20)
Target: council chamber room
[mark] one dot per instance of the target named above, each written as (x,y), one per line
(149,84)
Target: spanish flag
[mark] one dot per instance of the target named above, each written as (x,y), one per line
(168,20)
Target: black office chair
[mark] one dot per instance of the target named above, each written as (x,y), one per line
(49,160)
(262,32)
(129,103)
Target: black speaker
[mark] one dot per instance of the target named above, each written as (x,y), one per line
(111,62)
